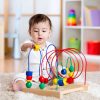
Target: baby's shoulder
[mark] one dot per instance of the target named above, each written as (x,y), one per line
(50,45)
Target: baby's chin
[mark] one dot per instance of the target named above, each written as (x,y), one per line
(40,42)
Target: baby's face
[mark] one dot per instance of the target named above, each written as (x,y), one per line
(40,32)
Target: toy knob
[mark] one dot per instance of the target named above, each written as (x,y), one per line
(42,85)
(29,73)
(63,71)
(45,80)
(41,79)
(28,84)
(55,81)
(60,82)
(71,68)
(70,80)
(29,77)
(65,81)
(36,47)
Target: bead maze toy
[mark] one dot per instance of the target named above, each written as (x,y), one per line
(66,70)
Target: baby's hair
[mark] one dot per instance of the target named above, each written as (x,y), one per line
(39,18)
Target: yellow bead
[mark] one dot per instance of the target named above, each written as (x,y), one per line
(55,81)
(65,81)
(71,74)
(36,47)
(67,69)
(28,80)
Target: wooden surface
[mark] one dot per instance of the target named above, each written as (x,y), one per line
(57,92)
(10,65)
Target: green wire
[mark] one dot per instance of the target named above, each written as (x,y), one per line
(67,61)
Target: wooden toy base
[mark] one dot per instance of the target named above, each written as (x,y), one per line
(57,91)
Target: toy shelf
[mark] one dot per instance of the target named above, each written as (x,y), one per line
(69,5)
(90,35)
(91,27)
(72,27)
(72,0)
(92,58)
(69,33)
(81,31)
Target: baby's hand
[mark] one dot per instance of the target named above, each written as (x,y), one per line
(18,86)
(25,46)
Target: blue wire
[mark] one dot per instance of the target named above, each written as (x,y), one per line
(47,58)
(40,61)
(29,60)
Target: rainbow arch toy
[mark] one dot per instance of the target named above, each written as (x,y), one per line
(71,18)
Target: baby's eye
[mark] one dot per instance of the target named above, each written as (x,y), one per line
(43,31)
(35,31)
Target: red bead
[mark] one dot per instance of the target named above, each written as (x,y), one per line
(41,79)
(70,80)
(29,77)
(45,80)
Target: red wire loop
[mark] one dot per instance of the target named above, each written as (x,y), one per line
(75,55)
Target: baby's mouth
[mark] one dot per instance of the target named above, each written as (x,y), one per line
(40,38)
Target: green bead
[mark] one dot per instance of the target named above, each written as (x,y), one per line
(42,85)
(71,69)
(28,84)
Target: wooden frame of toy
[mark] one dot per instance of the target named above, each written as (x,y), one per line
(73,65)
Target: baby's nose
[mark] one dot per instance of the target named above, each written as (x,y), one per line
(40,33)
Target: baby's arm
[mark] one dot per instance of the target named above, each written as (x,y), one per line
(25,46)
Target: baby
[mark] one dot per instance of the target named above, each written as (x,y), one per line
(40,27)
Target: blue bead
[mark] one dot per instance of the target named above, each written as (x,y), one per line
(63,71)
(29,73)
(60,82)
